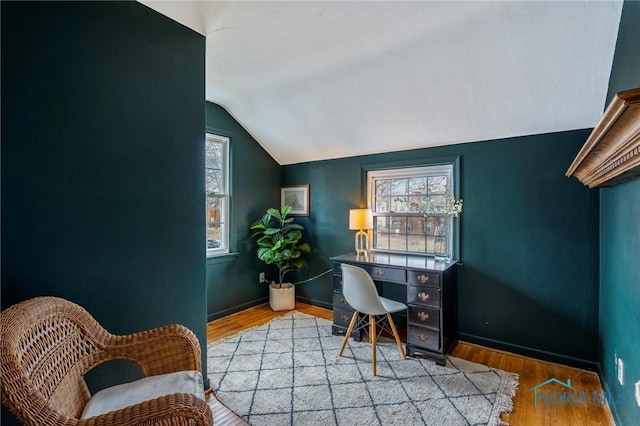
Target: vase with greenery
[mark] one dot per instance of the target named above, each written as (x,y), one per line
(279,243)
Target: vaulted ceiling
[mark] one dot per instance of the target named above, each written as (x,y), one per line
(319,80)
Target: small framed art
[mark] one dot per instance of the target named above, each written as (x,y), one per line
(296,196)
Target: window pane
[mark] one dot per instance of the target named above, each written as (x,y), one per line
(417,186)
(431,223)
(382,224)
(438,203)
(214,222)
(398,225)
(382,204)
(399,187)
(214,167)
(381,241)
(382,187)
(400,204)
(417,243)
(430,244)
(422,201)
(437,184)
(416,225)
(398,242)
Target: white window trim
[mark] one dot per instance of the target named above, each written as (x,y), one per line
(225,214)
(408,172)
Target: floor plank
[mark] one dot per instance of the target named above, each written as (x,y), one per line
(531,371)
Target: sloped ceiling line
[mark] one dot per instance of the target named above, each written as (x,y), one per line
(319,80)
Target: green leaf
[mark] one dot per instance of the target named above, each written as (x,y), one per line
(275,213)
(306,248)
(257,225)
(286,209)
(291,227)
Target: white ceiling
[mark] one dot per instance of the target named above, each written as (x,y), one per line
(319,80)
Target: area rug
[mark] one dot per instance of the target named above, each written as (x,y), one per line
(288,372)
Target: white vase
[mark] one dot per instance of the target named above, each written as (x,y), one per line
(282,298)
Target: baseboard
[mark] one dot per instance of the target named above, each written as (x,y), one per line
(531,352)
(613,408)
(313,302)
(237,308)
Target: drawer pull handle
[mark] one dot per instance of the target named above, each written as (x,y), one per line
(422,337)
(423,279)
(343,300)
(379,272)
(344,318)
(423,316)
(424,296)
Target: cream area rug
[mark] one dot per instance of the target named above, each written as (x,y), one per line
(288,372)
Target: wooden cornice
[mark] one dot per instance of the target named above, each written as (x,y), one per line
(612,153)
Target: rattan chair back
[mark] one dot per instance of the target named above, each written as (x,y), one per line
(48,344)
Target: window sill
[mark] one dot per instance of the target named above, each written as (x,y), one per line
(222,258)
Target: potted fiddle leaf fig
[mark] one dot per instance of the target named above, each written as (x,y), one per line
(279,244)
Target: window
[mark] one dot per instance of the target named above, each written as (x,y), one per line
(394,195)
(217,188)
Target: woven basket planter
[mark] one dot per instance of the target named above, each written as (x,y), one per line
(282,299)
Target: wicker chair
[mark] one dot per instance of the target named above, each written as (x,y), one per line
(48,344)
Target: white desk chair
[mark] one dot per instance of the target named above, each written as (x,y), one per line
(360,292)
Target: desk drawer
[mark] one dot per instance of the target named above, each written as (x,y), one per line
(424,316)
(424,338)
(423,296)
(339,302)
(423,278)
(379,273)
(342,317)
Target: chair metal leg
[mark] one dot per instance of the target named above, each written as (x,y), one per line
(349,330)
(373,334)
(395,334)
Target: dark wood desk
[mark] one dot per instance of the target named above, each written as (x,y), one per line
(430,298)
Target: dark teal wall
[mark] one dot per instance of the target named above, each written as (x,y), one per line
(620,245)
(103,162)
(529,241)
(620,293)
(232,280)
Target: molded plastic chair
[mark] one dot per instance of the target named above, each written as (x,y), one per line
(48,344)
(360,292)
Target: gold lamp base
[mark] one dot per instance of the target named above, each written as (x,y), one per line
(362,243)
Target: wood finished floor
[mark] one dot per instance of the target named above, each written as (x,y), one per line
(531,371)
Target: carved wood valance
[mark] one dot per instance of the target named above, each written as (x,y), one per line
(612,152)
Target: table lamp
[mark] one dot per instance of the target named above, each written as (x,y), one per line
(361,219)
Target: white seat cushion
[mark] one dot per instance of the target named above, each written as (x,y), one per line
(392,306)
(125,395)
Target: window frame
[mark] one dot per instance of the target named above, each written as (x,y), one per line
(224,196)
(406,170)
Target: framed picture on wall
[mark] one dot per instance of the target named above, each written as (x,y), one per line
(296,196)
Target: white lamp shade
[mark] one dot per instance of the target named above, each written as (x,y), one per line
(360,219)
